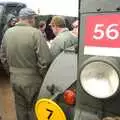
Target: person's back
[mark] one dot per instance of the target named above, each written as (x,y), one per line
(28,57)
(21,49)
(64,38)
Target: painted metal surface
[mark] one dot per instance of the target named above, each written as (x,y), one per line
(62,73)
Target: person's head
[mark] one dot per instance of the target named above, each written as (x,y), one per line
(42,26)
(27,16)
(11,20)
(57,23)
(75,25)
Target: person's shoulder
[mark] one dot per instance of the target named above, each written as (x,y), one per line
(9,30)
(57,39)
(33,29)
(57,42)
(69,34)
(65,33)
(61,36)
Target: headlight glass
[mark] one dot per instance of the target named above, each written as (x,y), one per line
(99,79)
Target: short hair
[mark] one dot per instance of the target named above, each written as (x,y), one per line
(58,21)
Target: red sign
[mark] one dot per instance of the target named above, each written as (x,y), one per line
(103,30)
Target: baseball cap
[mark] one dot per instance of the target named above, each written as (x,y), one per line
(26,12)
(58,21)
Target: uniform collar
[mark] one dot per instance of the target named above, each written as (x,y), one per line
(21,24)
(63,30)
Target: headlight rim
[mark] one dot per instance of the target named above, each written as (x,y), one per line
(107,60)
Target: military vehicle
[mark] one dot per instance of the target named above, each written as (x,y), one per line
(59,85)
(95,74)
(98,77)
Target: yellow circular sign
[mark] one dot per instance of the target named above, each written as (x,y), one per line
(47,109)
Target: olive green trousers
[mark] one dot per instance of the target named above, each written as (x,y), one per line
(25,92)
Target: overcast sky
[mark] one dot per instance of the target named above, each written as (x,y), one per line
(61,7)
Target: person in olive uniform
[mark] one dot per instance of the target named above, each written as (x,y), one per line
(28,57)
(64,38)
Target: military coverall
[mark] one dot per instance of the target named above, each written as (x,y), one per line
(63,40)
(28,56)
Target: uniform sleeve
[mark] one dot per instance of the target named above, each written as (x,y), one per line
(44,57)
(3,55)
(56,47)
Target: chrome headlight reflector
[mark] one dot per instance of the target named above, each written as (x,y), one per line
(99,79)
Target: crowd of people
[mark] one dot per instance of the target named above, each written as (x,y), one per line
(27,52)
(26,55)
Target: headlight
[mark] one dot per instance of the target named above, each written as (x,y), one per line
(99,79)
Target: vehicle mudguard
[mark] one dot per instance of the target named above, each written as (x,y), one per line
(61,74)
